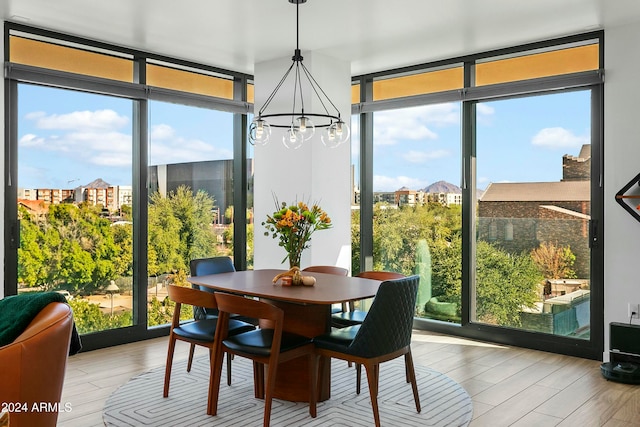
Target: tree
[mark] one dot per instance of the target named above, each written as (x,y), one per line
(32,253)
(554,262)
(180,228)
(164,241)
(423,269)
(506,284)
(88,317)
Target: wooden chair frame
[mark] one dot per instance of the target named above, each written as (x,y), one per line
(233,304)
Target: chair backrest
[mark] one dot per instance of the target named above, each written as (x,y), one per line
(214,265)
(389,322)
(203,267)
(195,297)
(380,275)
(229,304)
(329,269)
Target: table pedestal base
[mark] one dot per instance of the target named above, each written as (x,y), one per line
(292,380)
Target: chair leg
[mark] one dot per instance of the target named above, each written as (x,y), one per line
(358,372)
(167,372)
(214,381)
(258,380)
(406,370)
(268,397)
(228,369)
(373,375)
(408,362)
(191,350)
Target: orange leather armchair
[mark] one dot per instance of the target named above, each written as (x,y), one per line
(32,368)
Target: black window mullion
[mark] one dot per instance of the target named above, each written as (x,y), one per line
(240,181)
(366,179)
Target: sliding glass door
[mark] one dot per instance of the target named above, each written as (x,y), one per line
(533,260)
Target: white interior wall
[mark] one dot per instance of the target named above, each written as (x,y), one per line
(621,164)
(312,173)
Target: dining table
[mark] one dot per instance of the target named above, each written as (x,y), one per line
(307,311)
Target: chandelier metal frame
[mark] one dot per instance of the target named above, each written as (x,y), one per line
(301,127)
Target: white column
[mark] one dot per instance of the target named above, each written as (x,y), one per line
(312,173)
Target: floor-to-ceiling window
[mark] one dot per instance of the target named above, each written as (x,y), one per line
(122,168)
(190,209)
(484,179)
(74,202)
(417,202)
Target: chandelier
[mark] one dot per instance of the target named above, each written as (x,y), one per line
(299,124)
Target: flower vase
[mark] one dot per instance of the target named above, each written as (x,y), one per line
(294,261)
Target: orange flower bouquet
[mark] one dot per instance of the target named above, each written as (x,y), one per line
(293,226)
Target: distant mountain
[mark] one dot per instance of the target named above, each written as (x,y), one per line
(442,187)
(98,183)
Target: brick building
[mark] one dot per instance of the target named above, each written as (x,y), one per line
(520,216)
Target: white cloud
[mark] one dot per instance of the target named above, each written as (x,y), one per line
(413,156)
(388,183)
(80,120)
(485,114)
(168,147)
(413,123)
(485,109)
(87,136)
(558,137)
(159,132)
(31,140)
(94,137)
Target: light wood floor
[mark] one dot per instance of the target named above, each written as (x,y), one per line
(509,386)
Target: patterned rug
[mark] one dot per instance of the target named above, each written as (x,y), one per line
(139,402)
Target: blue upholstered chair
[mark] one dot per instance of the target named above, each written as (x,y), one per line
(204,267)
(384,334)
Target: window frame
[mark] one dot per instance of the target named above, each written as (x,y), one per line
(139,93)
(470,95)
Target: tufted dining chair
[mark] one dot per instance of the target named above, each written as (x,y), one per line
(353,316)
(384,334)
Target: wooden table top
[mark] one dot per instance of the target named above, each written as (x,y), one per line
(329,288)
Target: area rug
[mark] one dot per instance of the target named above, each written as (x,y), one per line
(139,402)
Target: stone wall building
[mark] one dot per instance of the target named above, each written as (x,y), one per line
(520,216)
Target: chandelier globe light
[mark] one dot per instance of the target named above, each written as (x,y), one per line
(300,125)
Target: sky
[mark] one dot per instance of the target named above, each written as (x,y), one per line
(67,139)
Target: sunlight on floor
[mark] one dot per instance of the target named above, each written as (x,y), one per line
(422,336)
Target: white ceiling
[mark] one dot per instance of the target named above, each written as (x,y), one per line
(373,35)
